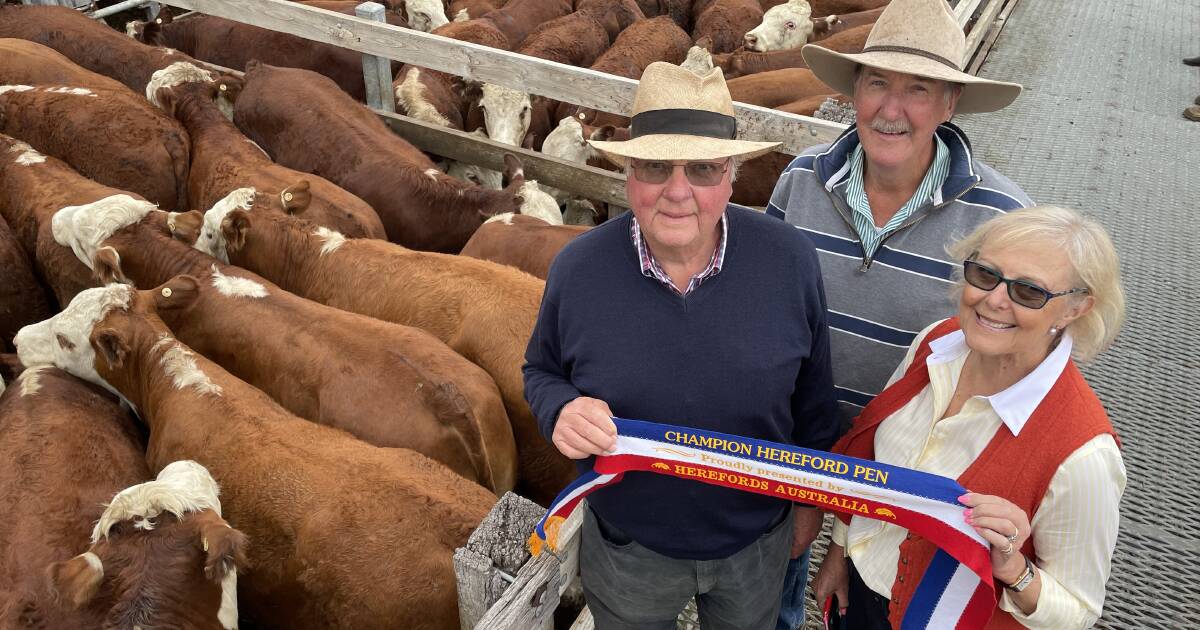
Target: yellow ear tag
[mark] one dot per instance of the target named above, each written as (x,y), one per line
(223,87)
(287,196)
(158,20)
(204,543)
(166,292)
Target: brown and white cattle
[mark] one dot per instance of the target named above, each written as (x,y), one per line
(112,136)
(425,15)
(643,43)
(343,534)
(472,8)
(161,555)
(386,384)
(23,300)
(223,160)
(33,187)
(332,136)
(566,142)
(96,47)
(777,87)
(68,447)
(726,22)
(834,24)
(783,27)
(822,8)
(24,62)
(523,242)
(482,310)
(233,44)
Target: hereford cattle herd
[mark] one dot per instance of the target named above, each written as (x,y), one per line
(260,356)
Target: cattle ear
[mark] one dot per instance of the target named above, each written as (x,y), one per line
(229,87)
(604,133)
(705,42)
(106,266)
(164,15)
(178,292)
(166,100)
(185,226)
(224,547)
(233,228)
(513,168)
(111,346)
(76,580)
(469,91)
(295,198)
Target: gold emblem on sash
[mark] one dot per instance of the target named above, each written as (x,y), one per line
(885,512)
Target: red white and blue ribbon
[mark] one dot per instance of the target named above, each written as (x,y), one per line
(956,590)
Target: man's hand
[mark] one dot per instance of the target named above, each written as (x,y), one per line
(584,428)
(805,528)
(833,578)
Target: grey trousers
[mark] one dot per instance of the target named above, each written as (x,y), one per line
(629,587)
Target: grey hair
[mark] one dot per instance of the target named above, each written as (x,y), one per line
(952,88)
(1090,253)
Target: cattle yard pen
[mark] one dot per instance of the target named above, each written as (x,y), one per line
(489,597)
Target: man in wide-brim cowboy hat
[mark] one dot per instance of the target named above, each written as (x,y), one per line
(882,201)
(686,311)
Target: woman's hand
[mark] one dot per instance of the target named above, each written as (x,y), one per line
(584,428)
(1005,526)
(833,578)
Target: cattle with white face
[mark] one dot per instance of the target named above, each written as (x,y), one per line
(68,447)
(343,534)
(522,242)
(223,160)
(386,384)
(347,143)
(786,26)
(566,142)
(112,136)
(482,310)
(94,46)
(33,188)
(425,15)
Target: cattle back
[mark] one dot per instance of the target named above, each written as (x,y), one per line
(23,300)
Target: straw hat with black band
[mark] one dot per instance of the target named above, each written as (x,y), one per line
(680,115)
(917,37)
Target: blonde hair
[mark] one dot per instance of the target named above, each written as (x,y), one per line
(1089,251)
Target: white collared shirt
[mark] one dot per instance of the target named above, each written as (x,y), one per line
(1075,527)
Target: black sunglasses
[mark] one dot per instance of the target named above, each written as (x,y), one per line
(1020,292)
(698,173)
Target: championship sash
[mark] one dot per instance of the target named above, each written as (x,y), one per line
(955,591)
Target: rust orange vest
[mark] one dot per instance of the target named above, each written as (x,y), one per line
(1018,468)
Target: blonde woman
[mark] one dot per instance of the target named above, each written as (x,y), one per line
(992,397)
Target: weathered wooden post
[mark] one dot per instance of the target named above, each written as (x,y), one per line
(377,71)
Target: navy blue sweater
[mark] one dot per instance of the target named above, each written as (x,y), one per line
(746,353)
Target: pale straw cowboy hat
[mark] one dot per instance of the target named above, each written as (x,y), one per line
(680,115)
(918,37)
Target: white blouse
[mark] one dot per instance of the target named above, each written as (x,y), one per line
(1075,527)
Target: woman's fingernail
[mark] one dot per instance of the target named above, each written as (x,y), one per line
(967,514)
(963,497)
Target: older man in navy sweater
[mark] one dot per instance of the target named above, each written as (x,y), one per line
(694,312)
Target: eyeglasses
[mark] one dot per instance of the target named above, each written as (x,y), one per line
(698,173)
(1020,292)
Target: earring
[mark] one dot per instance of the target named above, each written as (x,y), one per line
(1054,330)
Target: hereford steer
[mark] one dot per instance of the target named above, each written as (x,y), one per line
(822,8)
(425,15)
(482,310)
(23,300)
(330,135)
(523,242)
(66,447)
(386,384)
(96,47)
(777,87)
(233,44)
(114,137)
(783,27)
(223,159)
(161,555)
(834,24)
(643,43)
(23,62)
(726,23)
(33,187)
(343,534)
